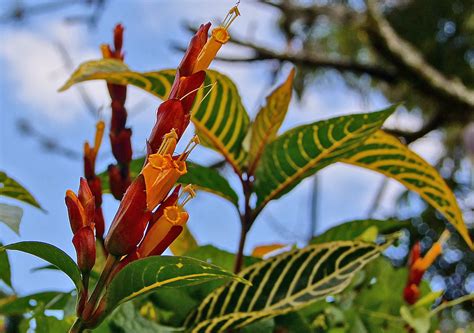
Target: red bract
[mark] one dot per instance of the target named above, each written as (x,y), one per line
(130,221)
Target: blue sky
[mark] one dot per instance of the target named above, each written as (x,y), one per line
(31,70)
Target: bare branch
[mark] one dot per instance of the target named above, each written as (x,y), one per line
(410,60)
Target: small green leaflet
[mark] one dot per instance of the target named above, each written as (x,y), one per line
(11,216)
(12,189)
(220,119)
(303,150)
(282,284)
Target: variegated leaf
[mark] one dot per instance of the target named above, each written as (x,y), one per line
(265,127)
(282,284)
(12,189)
(146,275)
(303,150)
(184,243)
(220,118)
(384,153)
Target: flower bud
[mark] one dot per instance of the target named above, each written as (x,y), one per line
(84,243)
(130,221)
(122,146)
(77,216)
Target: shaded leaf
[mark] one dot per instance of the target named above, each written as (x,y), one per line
(146,275)
(51,254)
(301,151)
(11,216)
(12,189)
(184,243)
(268,120)
(49,300)
(203,178)
(384,153)
(220,118)
(5,272)
(353,229)
(283,284)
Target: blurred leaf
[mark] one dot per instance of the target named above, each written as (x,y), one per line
(146,275)
(127,319)
(49,300)
(51,254)
(269,119)
(418,319)
(12,189)
(184,243)
(282,284)
(301,151)
(262,250)
(220,119)
(428,300)
(353,229)
(203,178)
(384,153)
(49,324)
(218,257)
(5,272)
(11,216)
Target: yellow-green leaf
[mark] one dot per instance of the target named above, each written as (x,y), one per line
(220,119)
(303,150)
(282,284)
(12,189)
(265,127)
(184,243)
(384,153)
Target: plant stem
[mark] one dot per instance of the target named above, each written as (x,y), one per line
(92,303)
(77,327)
(246,220)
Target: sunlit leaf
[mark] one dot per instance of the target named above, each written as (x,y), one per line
(146,275)
(12,189)
(5,272)
(220,118)
(203,179)
(303,150)
(52,300)
(11,216)
(51,254)
(282,284)
(265,127)
(384,153)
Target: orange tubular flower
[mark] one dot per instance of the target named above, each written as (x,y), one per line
(168,226)
(81,210)
(418,266)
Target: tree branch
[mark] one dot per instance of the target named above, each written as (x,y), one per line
(410,60)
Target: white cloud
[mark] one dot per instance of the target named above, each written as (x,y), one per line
(35,66)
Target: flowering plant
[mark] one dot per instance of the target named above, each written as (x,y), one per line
(126,263)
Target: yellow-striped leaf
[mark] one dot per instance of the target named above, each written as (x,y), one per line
(265,127)
(12,189)
(282,284)
(384,153)
(220,118)
(303,150)
(148,274)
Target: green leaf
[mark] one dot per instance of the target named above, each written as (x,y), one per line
(220,118)
(49,324)
(303,150)
(127,319)
(418,319)
(203,178)
(353,229)
(282,284)
(11,216)
(218,257)
(269,119)
(184,243)
(5,272)
(12,189)
(49,300)
(51,254)
(146,275)
(385,154)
